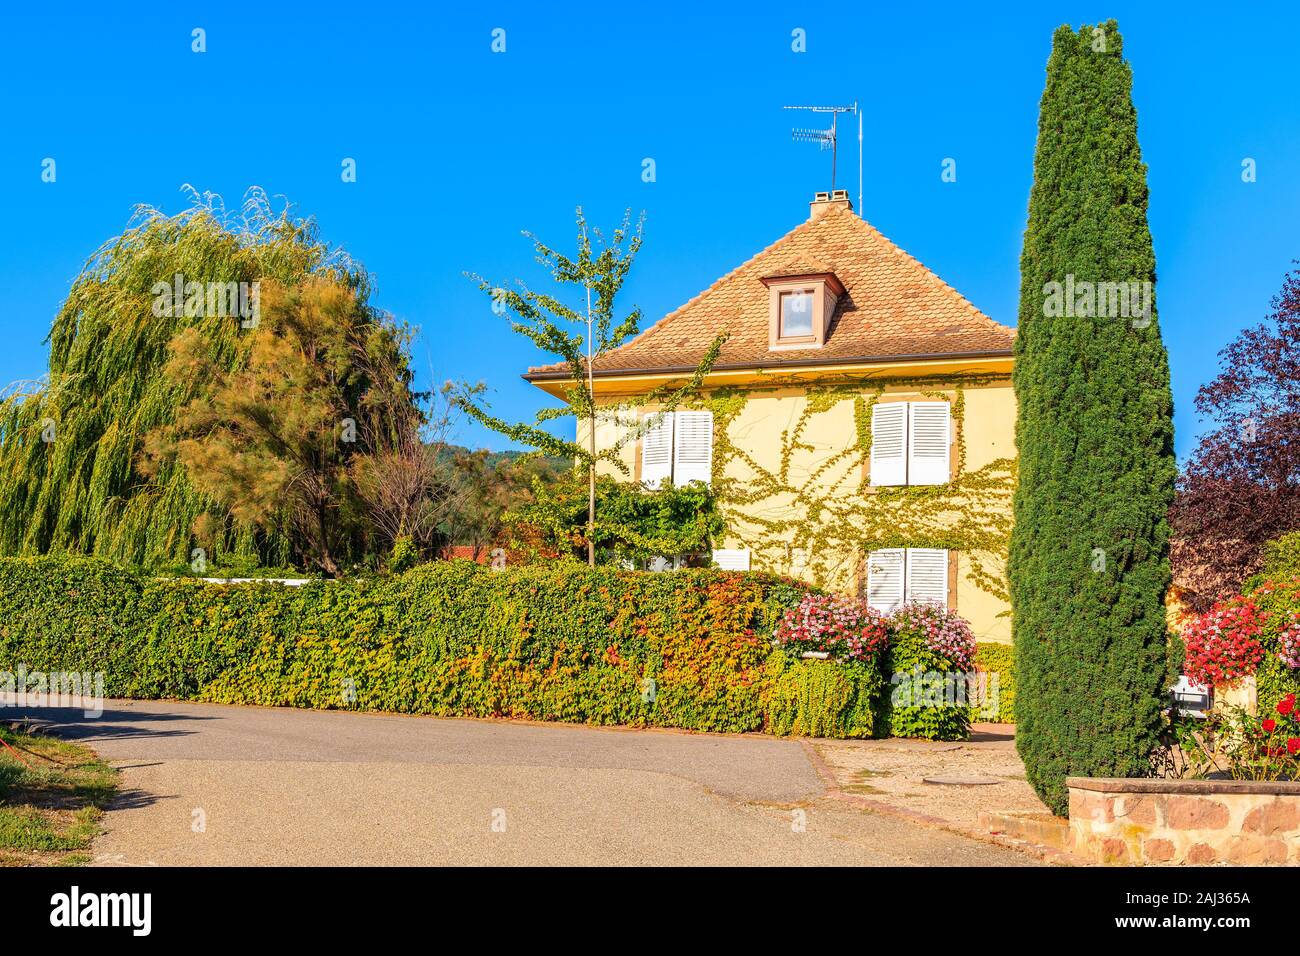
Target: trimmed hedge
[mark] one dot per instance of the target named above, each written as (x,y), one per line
(812,698)
(61,615)
(999,659)
(562,642)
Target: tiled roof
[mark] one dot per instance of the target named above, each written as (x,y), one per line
(894,307)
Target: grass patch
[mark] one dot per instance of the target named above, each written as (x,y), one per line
(51,805)
(860,782)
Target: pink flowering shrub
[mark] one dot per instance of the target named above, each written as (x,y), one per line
(846,629)
(929,667)
(1288,641)
(907,674)
(948,635)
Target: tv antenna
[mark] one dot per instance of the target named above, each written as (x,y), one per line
(829,138)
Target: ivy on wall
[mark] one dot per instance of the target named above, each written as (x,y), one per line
(829,513)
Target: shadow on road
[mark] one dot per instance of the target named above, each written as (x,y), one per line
(71,723)
(134,799)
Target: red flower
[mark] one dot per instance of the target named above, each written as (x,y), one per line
(1293,745)
(1223,644)
(1269,725)
(1286,705)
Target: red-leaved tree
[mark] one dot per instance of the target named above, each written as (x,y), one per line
(1241,487)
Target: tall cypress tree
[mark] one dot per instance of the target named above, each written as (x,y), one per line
(1089,562)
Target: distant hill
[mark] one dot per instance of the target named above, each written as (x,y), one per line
(494,458)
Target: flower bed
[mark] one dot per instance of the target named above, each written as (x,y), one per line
(1234,743)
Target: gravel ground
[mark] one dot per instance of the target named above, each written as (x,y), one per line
(894,771)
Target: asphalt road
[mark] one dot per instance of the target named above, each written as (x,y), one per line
(212,784)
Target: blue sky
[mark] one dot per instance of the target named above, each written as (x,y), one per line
(458,149)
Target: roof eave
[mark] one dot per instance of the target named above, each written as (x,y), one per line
(802,363)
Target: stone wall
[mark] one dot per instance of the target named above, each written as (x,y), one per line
(1147,821)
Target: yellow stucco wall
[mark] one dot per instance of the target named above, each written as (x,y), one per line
(990,427)
(795,460)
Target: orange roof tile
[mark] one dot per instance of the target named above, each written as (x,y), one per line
(894,308)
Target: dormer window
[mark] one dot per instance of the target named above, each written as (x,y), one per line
(797,315)
(801,309)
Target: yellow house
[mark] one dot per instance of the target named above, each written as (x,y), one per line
(857,428)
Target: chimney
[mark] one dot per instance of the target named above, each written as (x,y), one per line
(824,202)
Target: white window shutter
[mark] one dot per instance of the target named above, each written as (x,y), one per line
(732,559)
(889,443)
(657,451)
(693,451)
(929,443)
(885,579)
(927,575)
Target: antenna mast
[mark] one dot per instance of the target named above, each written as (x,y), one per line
(829,137)
(855,105)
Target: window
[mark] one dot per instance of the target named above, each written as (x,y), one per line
(801,309)
(898,575)
(731,559)
(677,449)
(911,443)
(797,314)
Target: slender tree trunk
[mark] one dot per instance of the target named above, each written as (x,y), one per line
(591,498)
(591,446)
(327,562)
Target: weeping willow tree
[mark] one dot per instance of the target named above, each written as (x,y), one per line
(70,444)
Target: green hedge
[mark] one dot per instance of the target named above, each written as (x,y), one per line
(814,698)
(1281,561)
(921,700)
(59,615)
(562,642)
(999,659)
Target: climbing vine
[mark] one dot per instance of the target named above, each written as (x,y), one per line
(818,516)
